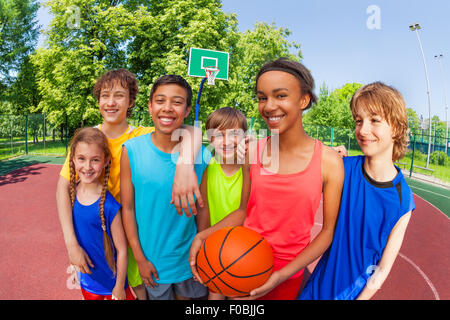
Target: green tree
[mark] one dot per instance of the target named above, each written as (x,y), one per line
(85,38)
(333,108)
(18,36)
(162,38)
(413,120)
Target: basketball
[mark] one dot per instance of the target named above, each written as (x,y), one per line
(233,261)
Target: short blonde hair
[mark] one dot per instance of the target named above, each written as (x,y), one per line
(386,101)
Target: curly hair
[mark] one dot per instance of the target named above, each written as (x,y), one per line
(126,79)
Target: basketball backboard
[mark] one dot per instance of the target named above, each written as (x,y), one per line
(199,59)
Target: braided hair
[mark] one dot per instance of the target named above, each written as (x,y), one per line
(94,136)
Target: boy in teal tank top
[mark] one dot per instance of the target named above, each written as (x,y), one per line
(159,237)
(221,184)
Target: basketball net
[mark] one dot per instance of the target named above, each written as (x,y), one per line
(211,73)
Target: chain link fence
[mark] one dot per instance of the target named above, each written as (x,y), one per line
(33,134)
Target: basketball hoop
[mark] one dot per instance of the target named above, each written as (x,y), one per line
(211,73)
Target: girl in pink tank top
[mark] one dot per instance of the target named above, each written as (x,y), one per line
(281,207)
(284,178)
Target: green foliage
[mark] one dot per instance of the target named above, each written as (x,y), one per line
(413,120)
(333,108)
(85,38)
(18,36)
(439,158)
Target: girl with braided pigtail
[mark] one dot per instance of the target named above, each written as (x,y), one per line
(97,218)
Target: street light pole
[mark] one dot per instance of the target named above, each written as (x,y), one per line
(415,28)
(439,58)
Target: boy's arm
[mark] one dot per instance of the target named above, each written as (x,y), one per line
(120,243)
(333,180)
(77,256)
(146,268)
(202,218)
(185,184)
(390,253)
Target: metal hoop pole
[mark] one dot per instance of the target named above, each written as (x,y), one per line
(197,103)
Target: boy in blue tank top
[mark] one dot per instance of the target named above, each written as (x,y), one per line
(376,202)
(159,237)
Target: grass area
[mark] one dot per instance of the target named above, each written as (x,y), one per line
(440,172)
(17,148)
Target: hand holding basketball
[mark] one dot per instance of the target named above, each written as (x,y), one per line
(274,280)
(195,248)
(234,261)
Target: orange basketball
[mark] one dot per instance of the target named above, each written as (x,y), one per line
(233,261)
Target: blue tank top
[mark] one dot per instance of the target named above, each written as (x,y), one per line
(88,230)
(368,212)
(164,235)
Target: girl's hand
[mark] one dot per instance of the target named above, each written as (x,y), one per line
(195,248)
(273,281)
(118,293)
(79,258)
(147,271)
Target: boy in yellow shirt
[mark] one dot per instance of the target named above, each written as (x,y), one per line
(116,93)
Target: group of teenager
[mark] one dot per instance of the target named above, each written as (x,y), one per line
(125,195)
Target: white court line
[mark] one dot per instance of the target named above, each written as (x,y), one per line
(412,187)
(439,210)
(428,281)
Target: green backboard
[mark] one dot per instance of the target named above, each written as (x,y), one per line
(201,58)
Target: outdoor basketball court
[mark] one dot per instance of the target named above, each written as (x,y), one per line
(34,258)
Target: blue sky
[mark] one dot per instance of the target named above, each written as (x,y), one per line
(338,47)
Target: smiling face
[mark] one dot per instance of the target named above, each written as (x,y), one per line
(168,107)
(89,161)
(280,100)
(225,143)
(114,102)
(373,133)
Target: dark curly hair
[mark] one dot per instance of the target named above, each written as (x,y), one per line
(125,78)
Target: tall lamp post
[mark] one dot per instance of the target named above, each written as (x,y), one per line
(415,27)
(439,58)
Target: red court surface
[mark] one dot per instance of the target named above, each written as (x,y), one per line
(34,258)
